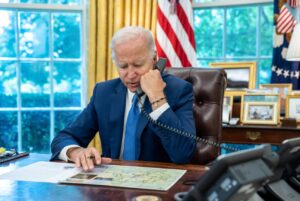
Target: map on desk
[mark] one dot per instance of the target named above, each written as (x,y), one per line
(128,177)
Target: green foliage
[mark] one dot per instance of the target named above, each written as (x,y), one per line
(35,131)
(9,130)
(240,32)
(64,118)
(208,32)
(66,29)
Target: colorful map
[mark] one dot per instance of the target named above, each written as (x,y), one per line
(129,177)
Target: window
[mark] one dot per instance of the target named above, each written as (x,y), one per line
(232,30)
(42,67)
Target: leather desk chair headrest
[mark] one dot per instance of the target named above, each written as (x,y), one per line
(208,86)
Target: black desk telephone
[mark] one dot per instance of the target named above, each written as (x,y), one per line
(160,65)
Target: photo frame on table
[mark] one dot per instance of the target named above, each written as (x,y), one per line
(282,89)
(260,109)
(236,101)
(295,92)
(240,75)
(293,107)
(227,108)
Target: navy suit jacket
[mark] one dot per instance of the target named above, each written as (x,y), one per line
(105,113)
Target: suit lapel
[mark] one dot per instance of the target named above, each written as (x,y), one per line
(116,119)
(142,122)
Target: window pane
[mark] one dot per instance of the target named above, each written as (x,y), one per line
(266,30)
(69,2)
(34,1)
(34,28)
(8,84)
(67,84)
(8,1)
(35,84)
(66,33)
(7,34)
(36,131)
(208,25)
(203,63)
(264,69)
(241,31)
(9,129)
(63,118)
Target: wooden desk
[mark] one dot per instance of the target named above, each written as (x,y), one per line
(246,134)
(21,190)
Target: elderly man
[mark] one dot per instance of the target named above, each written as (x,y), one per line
(115,111)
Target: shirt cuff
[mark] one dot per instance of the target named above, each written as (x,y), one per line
(63,153)
(156,113)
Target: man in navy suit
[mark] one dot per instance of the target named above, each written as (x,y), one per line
(167,99)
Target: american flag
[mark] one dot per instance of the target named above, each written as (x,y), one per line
(294,3)
(285,21)
(174,33)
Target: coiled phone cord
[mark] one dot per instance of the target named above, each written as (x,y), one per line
(184,133)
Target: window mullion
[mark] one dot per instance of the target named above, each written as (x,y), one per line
(51,75)
(258,39)
(84,63)
(19,100)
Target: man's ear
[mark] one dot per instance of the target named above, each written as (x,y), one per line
(155,56)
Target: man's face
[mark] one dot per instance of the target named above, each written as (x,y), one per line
(133,60)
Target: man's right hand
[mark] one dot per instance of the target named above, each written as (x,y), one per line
(86,158)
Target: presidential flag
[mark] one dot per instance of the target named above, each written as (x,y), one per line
(174,33)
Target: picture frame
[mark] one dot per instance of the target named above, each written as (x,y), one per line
(240,75)
(282,89)
(260,113)
(295,92)
(293,106)
(236,101)
(260,109)
(227,109)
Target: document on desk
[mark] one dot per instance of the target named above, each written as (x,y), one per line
(128,177)
(104,175)
(50,172)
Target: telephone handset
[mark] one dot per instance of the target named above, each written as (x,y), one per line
(160,65)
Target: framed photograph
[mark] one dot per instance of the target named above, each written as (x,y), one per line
(293,107)
(260,109)
(282,89)
(227,108)
(295,92)
(240,75)
(260,113)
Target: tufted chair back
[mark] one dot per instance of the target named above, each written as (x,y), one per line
(208,86)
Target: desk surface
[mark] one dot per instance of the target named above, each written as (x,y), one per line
(21,190)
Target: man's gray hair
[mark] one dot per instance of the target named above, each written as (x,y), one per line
(128,33)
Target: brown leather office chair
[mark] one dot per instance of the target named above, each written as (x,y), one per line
(208,86)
